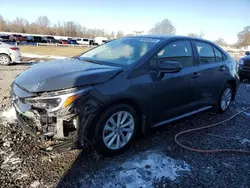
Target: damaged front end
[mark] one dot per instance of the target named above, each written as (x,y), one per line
(54,114)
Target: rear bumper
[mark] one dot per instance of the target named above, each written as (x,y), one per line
(16,57)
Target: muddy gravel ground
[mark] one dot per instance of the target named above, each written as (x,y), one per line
(154,160)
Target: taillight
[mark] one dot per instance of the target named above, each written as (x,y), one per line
(14,48)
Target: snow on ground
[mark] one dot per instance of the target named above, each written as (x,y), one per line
(140,171)
(248,114)
(42,56)
(9,115)
(245,141)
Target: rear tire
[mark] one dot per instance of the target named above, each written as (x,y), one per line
(226,98)
(4,59)
(115,130)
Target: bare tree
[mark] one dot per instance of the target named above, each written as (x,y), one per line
(19,25)
(196,35)
(119,34)
(2,23)
(163,27)
(43,26)
(43,21)
(112,35)
(221,42)
(244,37)
(193,35)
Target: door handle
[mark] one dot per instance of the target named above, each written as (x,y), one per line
(222,68)
(196,75)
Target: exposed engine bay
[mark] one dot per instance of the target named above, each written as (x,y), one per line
(55,114)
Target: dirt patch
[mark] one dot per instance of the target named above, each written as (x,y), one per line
(53,50)
(36,60)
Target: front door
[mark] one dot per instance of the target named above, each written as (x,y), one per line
(174,93)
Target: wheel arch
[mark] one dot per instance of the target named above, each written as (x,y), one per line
(128,101)
(6,55)
(233,83)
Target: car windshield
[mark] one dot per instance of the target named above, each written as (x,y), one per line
(124,51)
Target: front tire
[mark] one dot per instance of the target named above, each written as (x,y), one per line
(4,59)
(115,130)
(225,99)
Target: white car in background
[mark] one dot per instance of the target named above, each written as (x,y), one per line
(9,54)
(83,41)
(100,40)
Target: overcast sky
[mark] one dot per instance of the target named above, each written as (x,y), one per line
(216,18)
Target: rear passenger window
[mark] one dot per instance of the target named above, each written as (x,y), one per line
(218,55)
(205,52)
(180,51)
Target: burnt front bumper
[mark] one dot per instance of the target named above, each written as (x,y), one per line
(21,118)
(74,123)
(38,123)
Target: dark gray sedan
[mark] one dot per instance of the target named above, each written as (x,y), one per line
(104,97)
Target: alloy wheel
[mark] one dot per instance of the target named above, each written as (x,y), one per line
(4,60)
(118,130)
(226,99)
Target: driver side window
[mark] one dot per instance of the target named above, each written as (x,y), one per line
(180,51)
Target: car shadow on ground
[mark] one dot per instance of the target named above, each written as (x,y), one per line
(93,170)
(156,160)
(28,63)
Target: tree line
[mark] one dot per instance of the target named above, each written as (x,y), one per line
(166,27)
(42,25)
(70,28)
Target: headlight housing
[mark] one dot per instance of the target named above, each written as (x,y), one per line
(54,101)
(241,62)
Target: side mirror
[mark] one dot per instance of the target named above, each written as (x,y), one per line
(169,67)
(247,53)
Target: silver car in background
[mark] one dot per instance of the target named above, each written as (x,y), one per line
(9,54)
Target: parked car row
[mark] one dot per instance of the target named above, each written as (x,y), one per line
(12,38)
(51,39)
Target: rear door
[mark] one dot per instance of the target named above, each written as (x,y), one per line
(174,93)
(213,72)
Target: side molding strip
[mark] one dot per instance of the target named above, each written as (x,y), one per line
(182,116)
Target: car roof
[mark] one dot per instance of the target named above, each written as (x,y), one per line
(167,37)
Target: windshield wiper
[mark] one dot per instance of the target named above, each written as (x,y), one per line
(76,57)
(90,60)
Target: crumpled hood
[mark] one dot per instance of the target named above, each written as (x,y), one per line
(63,74)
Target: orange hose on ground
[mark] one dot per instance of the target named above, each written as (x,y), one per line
(206,127)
